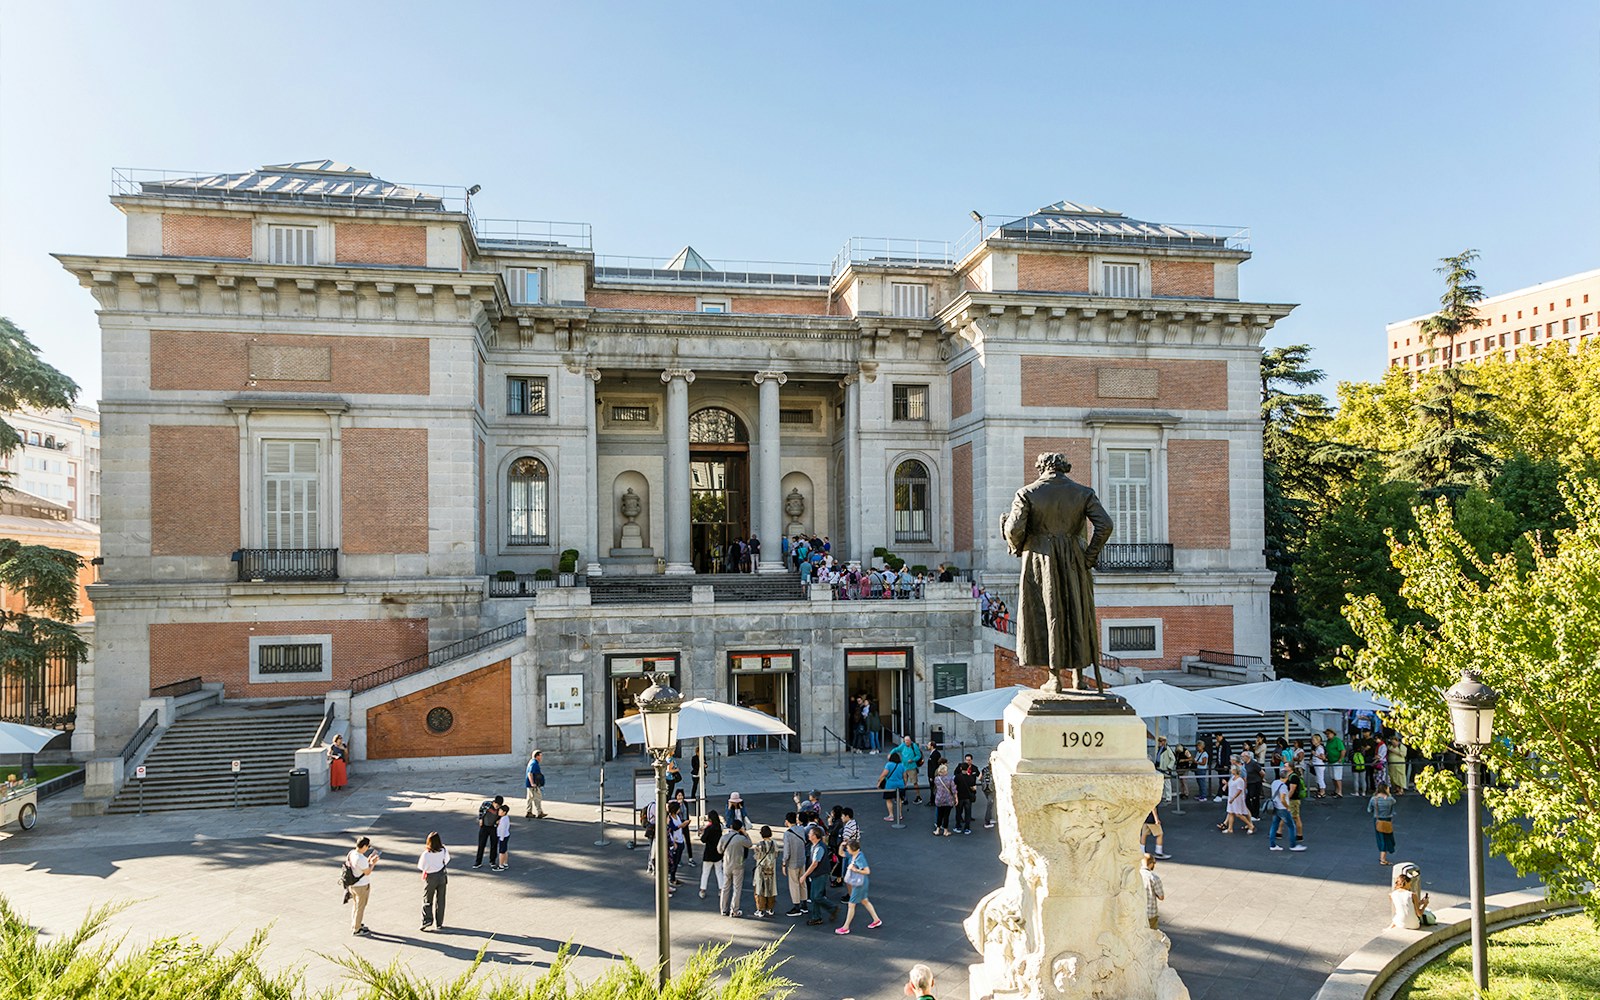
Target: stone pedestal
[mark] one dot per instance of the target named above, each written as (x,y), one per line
(1073,786)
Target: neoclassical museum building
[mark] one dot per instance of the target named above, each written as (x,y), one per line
(470,481)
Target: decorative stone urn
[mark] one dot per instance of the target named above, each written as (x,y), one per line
(630,506)
(794,506)
(1073,786)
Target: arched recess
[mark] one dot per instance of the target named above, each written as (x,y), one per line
(913,489)
(507,497)
(807,521)
(637,482)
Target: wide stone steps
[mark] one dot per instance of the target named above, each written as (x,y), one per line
(190,767)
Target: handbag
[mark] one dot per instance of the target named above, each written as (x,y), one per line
(1385,826)
(854,877)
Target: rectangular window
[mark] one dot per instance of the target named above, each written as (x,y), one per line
(278,658)
(715,305)
(291,493)
(909,299)
(292,244)
(630,414)
(1128,494)
(911,402)
(525,285)
(1119,281)
(786,416)
(525,396)
(1132,639)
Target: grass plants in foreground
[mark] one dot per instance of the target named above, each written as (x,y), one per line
(1555,959)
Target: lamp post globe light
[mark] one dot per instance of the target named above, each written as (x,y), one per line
(658,708)
(1472,706)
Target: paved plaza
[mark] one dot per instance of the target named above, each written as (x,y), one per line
(1244,922)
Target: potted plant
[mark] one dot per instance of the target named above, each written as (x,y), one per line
(569,567)
(919,569)
(880,553)
(543,577)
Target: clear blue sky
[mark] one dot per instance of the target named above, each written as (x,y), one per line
(1359,142)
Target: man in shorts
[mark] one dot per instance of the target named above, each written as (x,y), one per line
(893,783)
(1152,828)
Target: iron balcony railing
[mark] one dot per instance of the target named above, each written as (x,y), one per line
(1135,557)
(176,689)
(267,565)
(444,654)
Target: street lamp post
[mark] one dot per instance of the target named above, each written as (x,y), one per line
(1472,717)
(658,708)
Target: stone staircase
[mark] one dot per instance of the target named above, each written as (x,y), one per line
(612,590)
(189,767)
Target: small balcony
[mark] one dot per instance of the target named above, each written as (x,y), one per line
(280,565)
(1135,557)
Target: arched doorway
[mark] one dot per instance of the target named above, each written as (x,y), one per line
(719,485)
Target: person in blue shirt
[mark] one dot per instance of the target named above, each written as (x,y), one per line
(817,878)
(893,782)
(534,782)
(856,868)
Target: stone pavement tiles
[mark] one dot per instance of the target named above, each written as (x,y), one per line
(1244,921)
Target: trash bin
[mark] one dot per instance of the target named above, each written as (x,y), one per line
(299,788)
(936,736)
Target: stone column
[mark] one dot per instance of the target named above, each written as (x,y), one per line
(769,474)
(678,555)
(850,518)
(591,472)
(1072,786)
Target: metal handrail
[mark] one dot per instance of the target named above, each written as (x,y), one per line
(1228,659)
(444,654)
(176,689)
(322,729)
(757,273)
(136,741)
(891,251)
(535,232)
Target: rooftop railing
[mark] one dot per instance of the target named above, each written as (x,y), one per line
(1108,232)
(731,273)
(889,251)
(530,234)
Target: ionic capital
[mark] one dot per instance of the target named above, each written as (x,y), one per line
(687,374)
(760,377)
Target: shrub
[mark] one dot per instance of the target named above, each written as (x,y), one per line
(505,575)
(880,553)
(919,568)
(895,562)
(544,573)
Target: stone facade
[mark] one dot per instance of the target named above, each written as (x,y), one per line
(372,411)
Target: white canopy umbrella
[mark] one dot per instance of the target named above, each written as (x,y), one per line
(983,706)
(1378,704)
(702,717)
(1286,695)
(17,738)
(1157,699)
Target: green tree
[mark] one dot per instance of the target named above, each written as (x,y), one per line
(1454,448)
(1458,312)
(1547,401)
(1377,417)
(46,578)
(1533,633)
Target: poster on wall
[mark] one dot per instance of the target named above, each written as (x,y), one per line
(563,700)
(949,680)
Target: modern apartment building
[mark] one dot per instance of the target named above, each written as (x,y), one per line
(351,428)
(1565,311)
(58,458)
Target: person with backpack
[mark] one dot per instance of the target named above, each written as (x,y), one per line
(735,849)
(794,862)
(1358,764)
(533,780)
(488,822)
(356,877)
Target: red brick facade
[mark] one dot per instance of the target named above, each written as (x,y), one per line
(1189,279)
(220,652)
(1077,450)
(1185,631)
(216,361)
(671,301)
(384,490)
(205,236)
(961,391)
(363,243)
(194,490)
(1052,272)
(1177,385)
(961,497)
(479,704)
(1197,487)
(784,305)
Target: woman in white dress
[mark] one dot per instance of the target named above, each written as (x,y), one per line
(1236,807)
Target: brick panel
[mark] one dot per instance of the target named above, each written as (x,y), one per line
(780,305)
(217,361)
(961,496)
(1179,385)
(194,490)
(1190,279)
(961,391)
(1184,631)
(1077,449)
(669,301)
(205,236)
(1008,670)
(219,652)
(1198,512)
(479,702)
(384,490)
(365,243)
(1053,272)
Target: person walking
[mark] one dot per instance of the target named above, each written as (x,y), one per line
(502,836)
(910,754)
(533,780)
(935,760)
(1154,892)
(856,872)
(488,821)
(816,875)
(1152,828)
(338,763)
(711,852)
(986,782)
(1254,777)
(362,860)
(766,878)
(1167,764)
(966,792)
(944,799)
(431,864)
(1281,815)
(794,862)
(1236,804)
(1381,806)
(676,841)
(893,783)
(735,850)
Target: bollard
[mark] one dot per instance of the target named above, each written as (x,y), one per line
(716,755)
(1177,798)
(601,842)
(788,768)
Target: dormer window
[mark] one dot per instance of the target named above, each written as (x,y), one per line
(1119,281)
(292,244)
(525,285)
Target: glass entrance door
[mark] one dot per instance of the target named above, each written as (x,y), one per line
(719,507)
(884,677)
(766,682)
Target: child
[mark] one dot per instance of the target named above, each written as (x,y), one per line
(502,833)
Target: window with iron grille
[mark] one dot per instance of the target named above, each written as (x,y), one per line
(911,516)
(291,494)
(911,402)
(796,416)
(289,658)
(630,414)
(1131,639)
(525,395)
(528,502)
(1128,494)
(1119,281)
(909,299)
(292,244)
(525,285)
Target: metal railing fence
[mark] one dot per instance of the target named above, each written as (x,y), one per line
(443,654)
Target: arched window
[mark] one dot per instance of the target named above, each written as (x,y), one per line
(528,502)
(714,425)
(911,520)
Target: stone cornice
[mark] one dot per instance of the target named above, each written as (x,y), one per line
(1089,319)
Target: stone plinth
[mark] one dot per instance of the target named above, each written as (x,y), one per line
(1073,787)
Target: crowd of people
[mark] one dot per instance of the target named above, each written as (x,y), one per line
(992,611)
(1326,761)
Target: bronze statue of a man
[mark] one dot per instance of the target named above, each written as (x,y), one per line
(1056,626)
